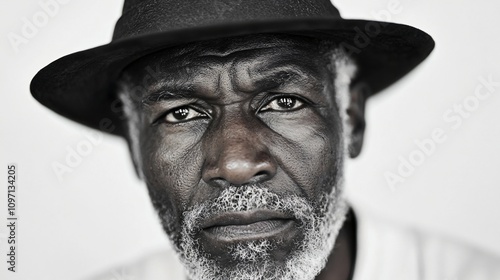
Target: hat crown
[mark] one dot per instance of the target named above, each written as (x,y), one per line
(130,4)
(141,17)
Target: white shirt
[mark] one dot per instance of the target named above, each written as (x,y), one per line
(384,252)
(387,252)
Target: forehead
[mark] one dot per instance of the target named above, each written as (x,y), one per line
(253,56)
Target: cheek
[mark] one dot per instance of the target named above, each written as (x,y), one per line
(310,151)
(172,164)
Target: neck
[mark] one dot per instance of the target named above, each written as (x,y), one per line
(340,265)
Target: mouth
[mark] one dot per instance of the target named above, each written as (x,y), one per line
(248,225)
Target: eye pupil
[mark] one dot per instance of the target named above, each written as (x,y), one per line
(286,102)
(181,113)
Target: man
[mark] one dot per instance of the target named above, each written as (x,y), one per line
(239,121)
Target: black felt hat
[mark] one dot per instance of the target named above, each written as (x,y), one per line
(80,86)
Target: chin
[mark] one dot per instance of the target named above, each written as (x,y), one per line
(293,250)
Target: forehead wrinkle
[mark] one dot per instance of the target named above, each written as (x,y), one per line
(268,77)
(180,79)
(267,67)
(233,57)
(296,63)
(171,84)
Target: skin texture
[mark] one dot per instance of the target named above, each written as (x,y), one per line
(256,111)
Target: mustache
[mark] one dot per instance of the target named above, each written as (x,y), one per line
(247,198)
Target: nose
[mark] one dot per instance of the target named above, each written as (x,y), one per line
(236,156)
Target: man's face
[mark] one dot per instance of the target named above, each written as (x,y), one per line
(240,144)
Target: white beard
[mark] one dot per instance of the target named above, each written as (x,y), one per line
(320,226)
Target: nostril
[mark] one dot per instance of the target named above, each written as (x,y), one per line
(261,173)
(219,182)
(260,176)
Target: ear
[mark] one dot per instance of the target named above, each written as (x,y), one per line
(356,114)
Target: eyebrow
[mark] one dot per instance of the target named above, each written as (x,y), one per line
(165,95)
(277,77)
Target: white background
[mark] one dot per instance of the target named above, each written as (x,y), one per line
(99,215)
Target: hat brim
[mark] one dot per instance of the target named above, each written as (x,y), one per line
(81,86)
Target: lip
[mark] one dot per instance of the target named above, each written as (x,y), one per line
(247,225)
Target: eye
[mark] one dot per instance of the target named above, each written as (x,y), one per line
(283,103)
(183,114)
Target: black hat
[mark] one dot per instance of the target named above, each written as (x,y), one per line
(81,86)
